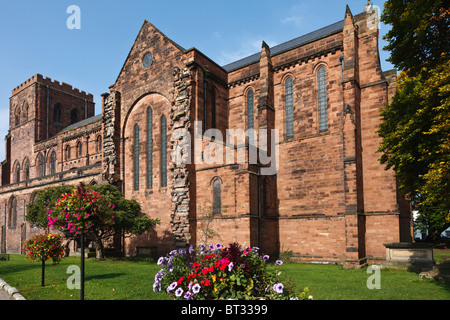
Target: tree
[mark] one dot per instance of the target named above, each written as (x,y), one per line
(415,125)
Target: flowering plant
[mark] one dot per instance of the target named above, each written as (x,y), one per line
(80,211)
(221,273)
(42,247)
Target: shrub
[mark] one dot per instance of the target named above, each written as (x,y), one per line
(42,247)
(222,273)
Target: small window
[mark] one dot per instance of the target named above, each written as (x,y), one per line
(27,170)
(13,213)
(99,144)
(68,155)
(136,157)
(289,101)
(18,173)
(322,98)
(53,163)
(217,205)
(57,113)
(73,116)
(17,116)
(80,149)
(163,152)
(25,110)
(41,165)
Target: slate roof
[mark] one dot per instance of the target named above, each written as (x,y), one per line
(320,33)
(82,122)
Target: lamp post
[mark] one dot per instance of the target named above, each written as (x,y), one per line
(82,267)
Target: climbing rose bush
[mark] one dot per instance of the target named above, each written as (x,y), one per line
(80,211)
(42,247)
(216,272)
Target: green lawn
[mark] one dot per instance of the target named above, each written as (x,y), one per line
(133,280)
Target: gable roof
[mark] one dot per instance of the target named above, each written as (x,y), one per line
(146,22)
(82,123)
(288,45)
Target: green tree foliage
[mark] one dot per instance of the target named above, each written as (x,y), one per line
(416,124)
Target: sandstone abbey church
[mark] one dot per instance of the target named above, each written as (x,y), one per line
(329,199)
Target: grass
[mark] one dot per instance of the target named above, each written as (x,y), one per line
(133,280)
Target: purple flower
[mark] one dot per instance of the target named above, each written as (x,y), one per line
(188,295)
(161,261)
(172,286)
(196,288)
(278,287)
(266,257)
(211,247)
(157,286)
(219,246)
(279,262)
(179,292)
(230,266)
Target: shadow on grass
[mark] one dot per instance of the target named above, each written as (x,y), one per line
(104,276)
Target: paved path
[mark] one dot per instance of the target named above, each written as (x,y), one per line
(4,295)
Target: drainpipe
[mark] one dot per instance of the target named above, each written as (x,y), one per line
(48,105)
(259,210)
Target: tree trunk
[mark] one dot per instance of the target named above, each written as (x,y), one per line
(99,250)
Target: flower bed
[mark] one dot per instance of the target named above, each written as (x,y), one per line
(222,273)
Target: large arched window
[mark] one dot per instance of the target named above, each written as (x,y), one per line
(289,101)
(57,113)
(136,157)
(217,202)
(163,151)
(322,98)
(53,163)
(12,221)
(149,148)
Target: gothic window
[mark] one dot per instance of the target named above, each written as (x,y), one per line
(99,144)
(149,148)
(136,157)
(80,149)
(217,205)
(53,163)
(73,116)
(13,213)
(322,98)
(17,116)
(57,113)
(25,110)
(18,172)
(41,166)
(250,116)
(68,152)
(163,152)
(27,170)
(289,101)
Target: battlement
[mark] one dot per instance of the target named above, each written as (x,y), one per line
(62,86)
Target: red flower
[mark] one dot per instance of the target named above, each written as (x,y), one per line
(206,282)
(210,269)
(204,271)
(180,280)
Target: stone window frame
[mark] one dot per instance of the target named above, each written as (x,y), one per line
(26,168)
(163,152)
(98,143)
(17,115)
(149,148)
(322,122)
(73,113)
(67,152)
(12,212)
(40,165)
(216,205)
(16,171)
(79,150)
(52,161)
(57,113)
(285,104)
(248,89)
(136,157)
(25,110)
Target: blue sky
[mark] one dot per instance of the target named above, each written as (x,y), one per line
(34,37)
